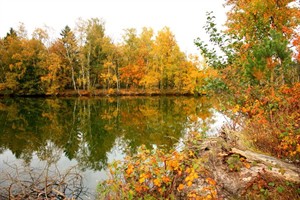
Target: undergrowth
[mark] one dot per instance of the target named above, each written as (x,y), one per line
(159,175)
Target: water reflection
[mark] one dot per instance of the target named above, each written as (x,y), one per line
(89,130)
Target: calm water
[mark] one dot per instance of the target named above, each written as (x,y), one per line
(90,133)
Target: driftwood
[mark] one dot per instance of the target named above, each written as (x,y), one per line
(272,165)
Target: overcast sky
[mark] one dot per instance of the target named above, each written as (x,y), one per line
(184,17)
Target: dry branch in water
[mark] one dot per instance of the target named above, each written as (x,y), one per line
(25,182)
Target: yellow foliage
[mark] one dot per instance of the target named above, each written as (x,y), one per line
(180,187)
(157,182)
(156,174)
(189,183)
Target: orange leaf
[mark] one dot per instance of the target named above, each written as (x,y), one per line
(129,169)
(166,179)
(247,165)
(210,181)
(180,187)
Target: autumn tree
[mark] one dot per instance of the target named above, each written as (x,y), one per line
(57,76)
(87,59)
(151,75)
(154,62)
(265,29)
(191,74)
(92,51)
(11,43)
(21,58)
(253,57)
(133,68)
(167,57)
(110,75)
(70,54)
(255,47)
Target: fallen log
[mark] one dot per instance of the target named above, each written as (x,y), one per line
(272,165)
(235,170)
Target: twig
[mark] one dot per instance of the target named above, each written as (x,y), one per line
(26,183)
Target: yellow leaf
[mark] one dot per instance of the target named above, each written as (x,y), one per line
(191,153)
(157,182)
(143,177)
(195,176)
(236,109)
(141,180)
(188,178)
(179,172)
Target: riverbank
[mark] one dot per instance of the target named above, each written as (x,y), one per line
(242,173)
(111,92)
(219,167)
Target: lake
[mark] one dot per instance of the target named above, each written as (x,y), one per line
(52,135)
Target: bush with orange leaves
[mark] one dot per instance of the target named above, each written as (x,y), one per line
(157,175)
(274,124)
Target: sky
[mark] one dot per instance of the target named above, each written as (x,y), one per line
(185,18)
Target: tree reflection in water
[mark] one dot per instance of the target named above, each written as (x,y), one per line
(88,129)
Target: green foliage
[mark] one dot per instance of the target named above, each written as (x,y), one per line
(221,54)
(214,84)
(236,162)
(269,60)
(267,187)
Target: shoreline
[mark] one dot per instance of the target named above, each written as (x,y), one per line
(238,169)
(107,93)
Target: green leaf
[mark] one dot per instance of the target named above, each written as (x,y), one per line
(289,184)
(280,189)
(269,167)
(271,184)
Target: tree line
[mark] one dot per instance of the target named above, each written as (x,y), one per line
(86,59)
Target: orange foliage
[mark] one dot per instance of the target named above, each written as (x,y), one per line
(158,175)
(275,121)
(296,43)
(247,15)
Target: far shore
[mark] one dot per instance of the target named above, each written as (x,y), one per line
(104,93)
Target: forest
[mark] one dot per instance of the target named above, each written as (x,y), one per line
(85,60)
